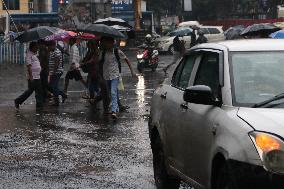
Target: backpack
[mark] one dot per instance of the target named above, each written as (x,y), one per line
(116,54)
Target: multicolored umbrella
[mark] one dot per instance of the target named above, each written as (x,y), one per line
(61,36)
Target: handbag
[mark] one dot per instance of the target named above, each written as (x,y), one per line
(120,84)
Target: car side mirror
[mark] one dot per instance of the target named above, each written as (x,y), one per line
(200,94)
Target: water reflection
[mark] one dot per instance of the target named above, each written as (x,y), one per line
(140,91)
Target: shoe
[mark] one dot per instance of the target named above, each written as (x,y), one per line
(17,106)
(114,116)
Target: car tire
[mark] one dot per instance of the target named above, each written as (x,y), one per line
(162,179)
(171,49)
(225,178)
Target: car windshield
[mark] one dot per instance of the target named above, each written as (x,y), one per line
(257,76)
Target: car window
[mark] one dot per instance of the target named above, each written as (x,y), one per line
(183,72)
(208,72)
(204,30)
(186,72)
(177,73)
(214,31)
(257,76)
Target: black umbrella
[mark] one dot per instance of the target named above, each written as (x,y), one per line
(234,32)
(36,33)
(112,22)
(260,29)
(101,29)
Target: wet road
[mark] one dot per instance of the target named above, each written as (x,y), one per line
(75,145)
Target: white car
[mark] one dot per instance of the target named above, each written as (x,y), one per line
(212,33)
(218,121)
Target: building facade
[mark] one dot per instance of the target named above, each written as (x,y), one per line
(45,6)
(14,6)
(88,11)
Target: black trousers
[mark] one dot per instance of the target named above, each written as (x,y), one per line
(34,85)
(44,85)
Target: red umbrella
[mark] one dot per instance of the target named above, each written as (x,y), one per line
(87,36)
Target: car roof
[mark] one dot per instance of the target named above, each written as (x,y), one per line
(246,45)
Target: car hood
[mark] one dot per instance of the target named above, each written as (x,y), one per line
(264,119)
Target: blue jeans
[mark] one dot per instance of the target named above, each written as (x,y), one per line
(54,82)
(113,84)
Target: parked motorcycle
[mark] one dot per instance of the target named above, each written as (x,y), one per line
(146,59)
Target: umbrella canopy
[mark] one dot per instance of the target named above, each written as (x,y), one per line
(37,33)
(101,30)
(86,36)
(259,29)
(277,35)
(61,36)
(121,28)
(234,32)
(112,22)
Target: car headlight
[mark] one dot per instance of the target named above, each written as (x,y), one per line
(271,151)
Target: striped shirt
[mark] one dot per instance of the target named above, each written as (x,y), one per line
(56,54)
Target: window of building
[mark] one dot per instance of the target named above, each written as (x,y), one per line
(11,4)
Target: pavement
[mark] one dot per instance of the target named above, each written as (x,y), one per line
(75,145)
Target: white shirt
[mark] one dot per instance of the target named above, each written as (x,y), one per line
(32,59)
(110,66)
(74,58)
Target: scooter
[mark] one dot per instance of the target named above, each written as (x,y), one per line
(147,60)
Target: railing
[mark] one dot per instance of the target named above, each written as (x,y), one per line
(12,53)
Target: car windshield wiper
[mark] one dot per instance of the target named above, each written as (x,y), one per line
(261,104)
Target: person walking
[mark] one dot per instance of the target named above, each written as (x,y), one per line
(55,71)
(74,71)
(111,70)
(177,54)
(90,65)
(33,77)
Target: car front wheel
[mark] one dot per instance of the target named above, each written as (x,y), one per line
(225,179)
(162,179)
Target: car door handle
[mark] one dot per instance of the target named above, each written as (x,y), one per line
(164,95)
(184,106)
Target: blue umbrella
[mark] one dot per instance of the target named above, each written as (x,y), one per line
(277,35)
